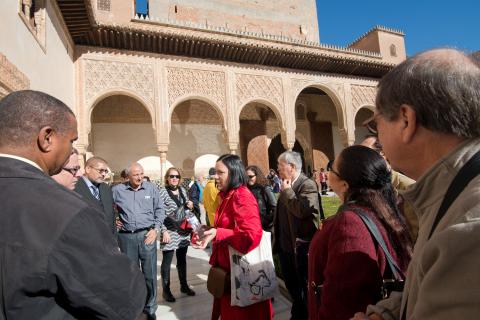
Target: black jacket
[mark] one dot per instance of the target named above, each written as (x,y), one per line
(105,204)
(267,204)
(58,259)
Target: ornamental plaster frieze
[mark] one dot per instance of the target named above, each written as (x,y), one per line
(335,88)
(249,87)
(11,79)
(103,75)
(363,95)
(189,83)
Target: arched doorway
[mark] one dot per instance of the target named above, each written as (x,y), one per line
(276,149)
(122,133)
(258,125)
(360,131)
(196,129)
(317,124)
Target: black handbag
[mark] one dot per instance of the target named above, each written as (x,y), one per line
(389,284)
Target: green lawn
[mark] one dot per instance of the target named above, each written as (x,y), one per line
(330,205)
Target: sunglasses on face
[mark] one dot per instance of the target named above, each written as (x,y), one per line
(73,171)
(174,176)
(251,177)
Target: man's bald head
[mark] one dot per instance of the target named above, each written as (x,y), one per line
(442,86)
(24,113)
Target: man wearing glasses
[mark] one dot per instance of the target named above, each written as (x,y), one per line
(70,173)
(93,188)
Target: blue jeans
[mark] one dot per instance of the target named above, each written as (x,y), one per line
(145,256)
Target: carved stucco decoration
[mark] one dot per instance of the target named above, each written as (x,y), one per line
(254,87)
(11,79)
(189,82)
(102,75)
(363,95)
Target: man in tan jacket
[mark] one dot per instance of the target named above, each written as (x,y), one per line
(428,119)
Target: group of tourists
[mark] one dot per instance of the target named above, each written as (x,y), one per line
(404,244)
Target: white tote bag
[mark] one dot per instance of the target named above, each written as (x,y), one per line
(252,275)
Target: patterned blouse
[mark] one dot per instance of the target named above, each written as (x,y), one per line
(176,240)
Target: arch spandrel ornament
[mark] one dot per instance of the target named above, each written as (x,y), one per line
(101,75)
(254,87)
(183,82)
(363,96)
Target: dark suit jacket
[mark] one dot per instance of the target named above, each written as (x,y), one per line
(105,204)
(58,259)
(298,208)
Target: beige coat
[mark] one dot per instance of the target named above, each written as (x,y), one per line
(443,279)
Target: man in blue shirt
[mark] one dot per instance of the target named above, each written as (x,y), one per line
(141,215)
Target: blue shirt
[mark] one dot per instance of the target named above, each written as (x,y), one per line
(140,208)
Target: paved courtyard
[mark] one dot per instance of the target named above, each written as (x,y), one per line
(199,306)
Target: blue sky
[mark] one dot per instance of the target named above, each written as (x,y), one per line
(426,23)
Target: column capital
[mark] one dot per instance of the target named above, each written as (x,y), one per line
(233,146)
(162,148)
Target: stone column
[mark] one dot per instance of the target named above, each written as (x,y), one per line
(162,149)
(233,147)
(82,153)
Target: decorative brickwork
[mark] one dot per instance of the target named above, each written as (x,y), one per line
(103,5)
(253,87)
(200,83)
(102,75)
(363,95)
(11,79)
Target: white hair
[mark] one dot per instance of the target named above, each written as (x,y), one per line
(292,157)
(129,168)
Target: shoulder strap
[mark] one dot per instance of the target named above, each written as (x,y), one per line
(469,171)
(372,227)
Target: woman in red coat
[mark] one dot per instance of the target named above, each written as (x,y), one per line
(346,265)
(237,224)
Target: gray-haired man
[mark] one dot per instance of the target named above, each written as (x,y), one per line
(295,223)
(428,121)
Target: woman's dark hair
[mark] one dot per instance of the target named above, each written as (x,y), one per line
(369,184)
(168,173)
(236,170)
(261,180)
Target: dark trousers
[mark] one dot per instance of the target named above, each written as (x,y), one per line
(324,187)
(145,256)
(181,267)
(295,274)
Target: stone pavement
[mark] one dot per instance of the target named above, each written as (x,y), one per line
(200,306)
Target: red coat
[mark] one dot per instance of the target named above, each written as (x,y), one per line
(344,258)
(238,226)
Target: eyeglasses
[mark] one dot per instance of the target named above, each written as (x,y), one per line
(251,177)
(174,176)
(73,171)
(101,171)
(371,125)
(336,173)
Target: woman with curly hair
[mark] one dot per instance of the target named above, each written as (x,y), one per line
(346,264)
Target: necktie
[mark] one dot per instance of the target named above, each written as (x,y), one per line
(95,192)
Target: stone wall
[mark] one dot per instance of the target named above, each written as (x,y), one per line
(48,66)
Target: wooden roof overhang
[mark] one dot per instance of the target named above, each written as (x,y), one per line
(190,42)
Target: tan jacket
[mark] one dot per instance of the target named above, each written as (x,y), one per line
(401,182)
(443,279)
